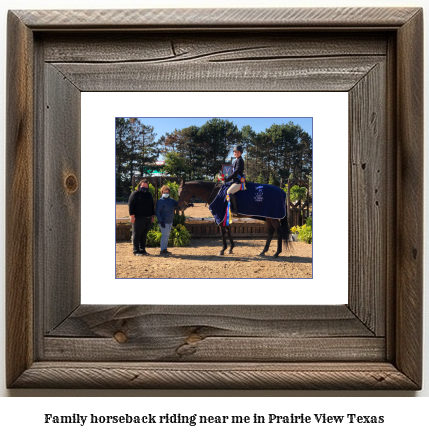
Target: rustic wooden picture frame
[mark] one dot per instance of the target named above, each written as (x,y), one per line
(373,342)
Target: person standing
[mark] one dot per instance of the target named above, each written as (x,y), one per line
(142,213)
(165,214)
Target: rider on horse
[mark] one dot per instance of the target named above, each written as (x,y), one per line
(238,172)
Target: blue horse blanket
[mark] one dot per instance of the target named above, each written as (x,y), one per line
(258,200)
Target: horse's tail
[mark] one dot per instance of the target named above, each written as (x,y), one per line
(285,232)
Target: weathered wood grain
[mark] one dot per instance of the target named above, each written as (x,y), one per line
(238,321)
(391,194)
(409,273)
(194,348)
(224,47)
(112,375)
(19,198)
(39,200)
(367,199)
(324,74)
(213,333)
(61,197)
(287,18)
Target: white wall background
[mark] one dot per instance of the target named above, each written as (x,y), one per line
(80,4)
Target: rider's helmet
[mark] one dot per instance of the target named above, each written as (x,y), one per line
(238,148)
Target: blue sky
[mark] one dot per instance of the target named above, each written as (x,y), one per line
(167,125)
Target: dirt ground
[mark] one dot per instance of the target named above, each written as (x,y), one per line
(200,259)
(198,211)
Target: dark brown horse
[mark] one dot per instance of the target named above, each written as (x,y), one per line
(208,191)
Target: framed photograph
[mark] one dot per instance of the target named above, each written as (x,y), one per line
(374,341)
(194,149)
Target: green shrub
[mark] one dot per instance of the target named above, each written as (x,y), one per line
(179,219)
(298,193)
(154,226)
(153,238)
(152,190)
(179,237)
(305,233)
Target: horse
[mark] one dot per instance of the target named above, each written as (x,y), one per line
(208,191)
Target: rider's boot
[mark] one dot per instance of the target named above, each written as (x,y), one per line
(233,200)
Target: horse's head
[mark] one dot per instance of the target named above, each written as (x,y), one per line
(200,188)
(185,196)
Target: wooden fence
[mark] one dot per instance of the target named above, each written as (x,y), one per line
(203,229)
(298,212)
(123,230)
(248,229)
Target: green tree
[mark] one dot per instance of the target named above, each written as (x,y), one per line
(246,141)
(281,149)
(121,133)
(310,184)
(277,152)
(136,150)
(175,164)
(260,179)
(147,148)
(272,180)
(170,142)
(191,150)
(132,146)
(298,193)
(254,158)
(218,136)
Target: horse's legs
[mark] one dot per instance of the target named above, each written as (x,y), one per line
(222,230)
(277,227)
(230,240)
(270,236)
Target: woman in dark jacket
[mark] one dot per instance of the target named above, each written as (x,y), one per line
(165,214)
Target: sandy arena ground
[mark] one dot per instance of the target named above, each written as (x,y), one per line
(198,211)
(200,259)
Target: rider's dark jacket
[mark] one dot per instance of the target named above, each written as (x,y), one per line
(237,170)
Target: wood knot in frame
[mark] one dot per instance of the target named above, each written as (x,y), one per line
(193,338)
(120,337)
(70,183)
(189,347)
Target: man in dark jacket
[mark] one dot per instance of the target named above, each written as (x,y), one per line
(237,172)
(142,214)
